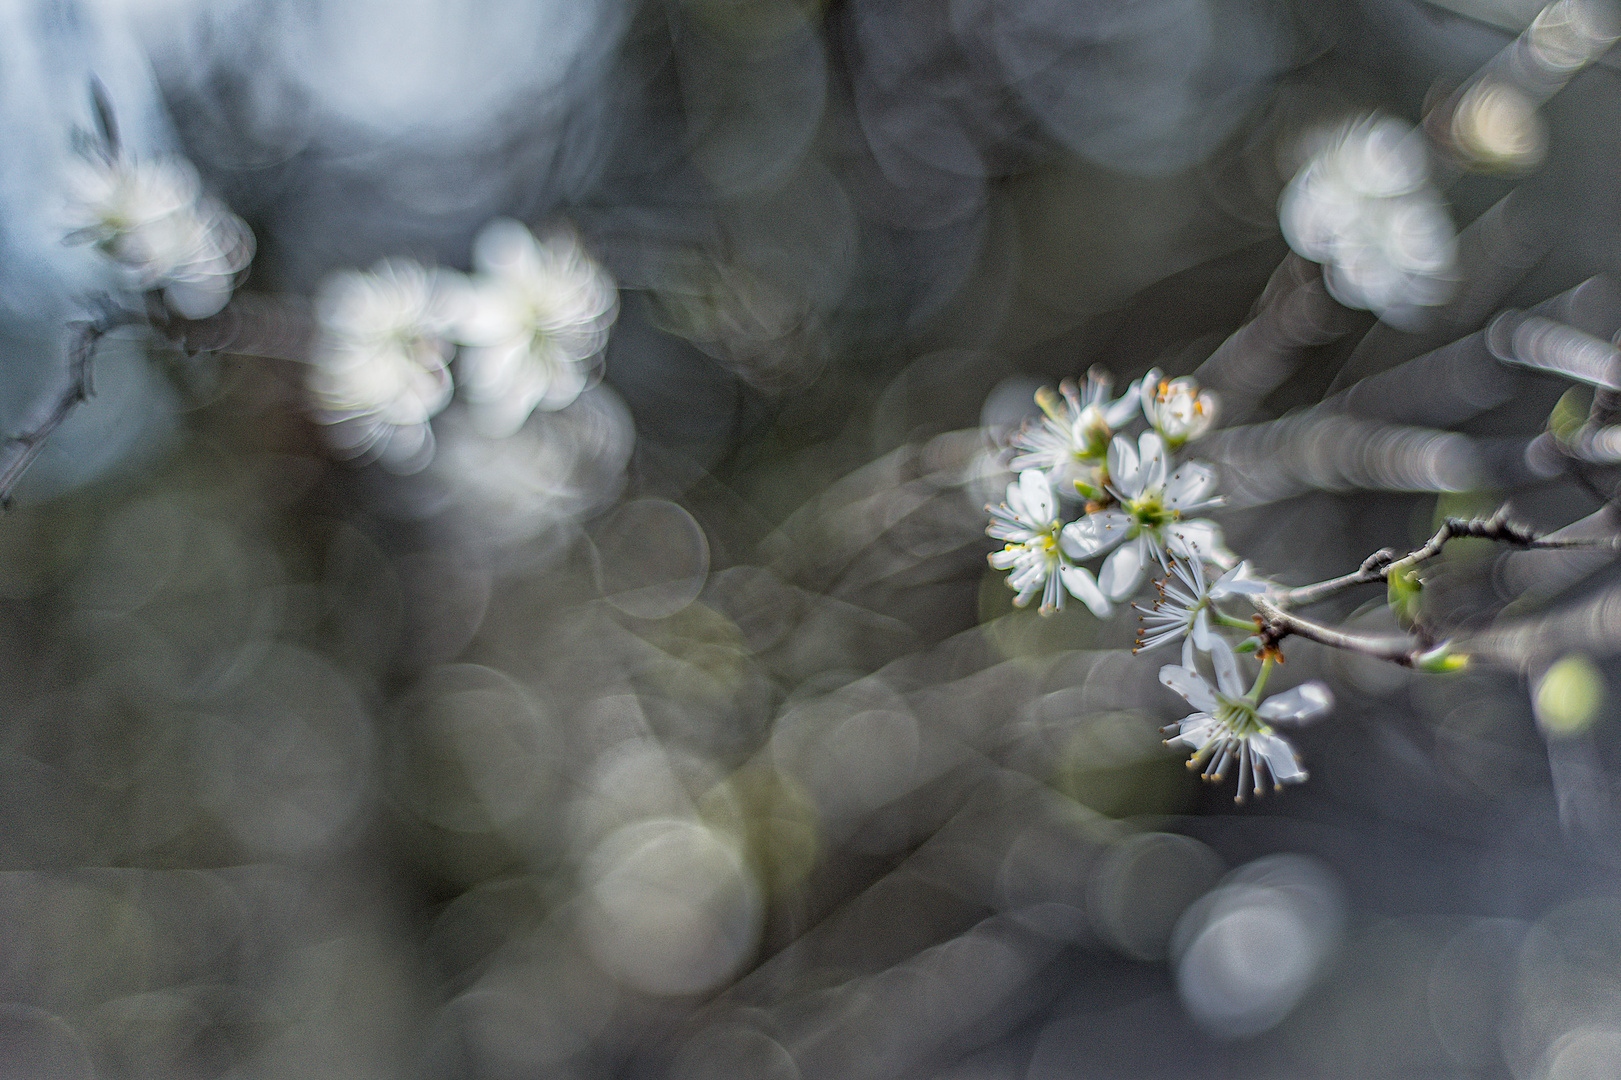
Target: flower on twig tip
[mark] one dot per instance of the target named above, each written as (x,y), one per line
(1230,726)
(1071,441)
(150,216)
(1177,408)
(1029,524)
(1183,607)
(1152,502)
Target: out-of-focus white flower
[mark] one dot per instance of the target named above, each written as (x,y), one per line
(535,314)
(378,372)
(1153,500)
(1030,525)
(1071,442)
(152,217)
(1177,408)
(1183,607)
(1230,726)
(1362,205)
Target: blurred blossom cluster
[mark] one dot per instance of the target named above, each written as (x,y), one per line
(498,581)
(153,218)
(530,321)
(1363,206)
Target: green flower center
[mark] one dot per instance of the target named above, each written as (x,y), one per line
(1150,513)
(1239,716)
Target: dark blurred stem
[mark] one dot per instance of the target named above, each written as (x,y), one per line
(21,450)
(251,324)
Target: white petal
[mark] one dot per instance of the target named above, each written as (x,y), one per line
(1147,393)
(1124,465)
(1190,483)
(1081,585)
(1193,731)
(1305,702)
(1123,571)
(1094,533)
(1039,503)
(1005,558)
(1227,676)
(1200,635)
(1152,448)
(1238,582)
(1279,757)
(1015,501)
(1190,684)
(1119,412)
(1201,537)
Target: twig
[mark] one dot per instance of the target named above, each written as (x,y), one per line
(24,448)
(1277,624)
(1377,567)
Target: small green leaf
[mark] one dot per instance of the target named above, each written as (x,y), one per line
(1441,660)
(1404,593)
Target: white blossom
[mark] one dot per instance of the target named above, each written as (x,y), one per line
(1029,524)
(1177,408)
(1071,441)
(151,217)
(1362,205)
(1152,503)
(1230,727)
(536,314)
(378,372)
(1183,607)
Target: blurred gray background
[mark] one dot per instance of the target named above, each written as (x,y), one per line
(687,733)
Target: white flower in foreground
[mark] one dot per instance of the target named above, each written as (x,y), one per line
(1152,503)
(378,372)
(1183,607)
(1071,442)
(1030,525)
(1177,408)
(1362,206)
(536,313)
(1230,727)
(151,217)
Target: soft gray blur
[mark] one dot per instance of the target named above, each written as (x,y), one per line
(685,732)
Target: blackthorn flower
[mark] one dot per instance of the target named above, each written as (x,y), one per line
(151,217)
(1070,443)
(1030,525)
(536,312)
(379,370)
(1183,607)
(1230,726)
(1152,503)
(1177,408)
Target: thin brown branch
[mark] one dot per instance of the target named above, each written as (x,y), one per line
(1278,624)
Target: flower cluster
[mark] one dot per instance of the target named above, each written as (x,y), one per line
(1363,206)
(152,218)
(1137,502)
(530,321)
(1136,499)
